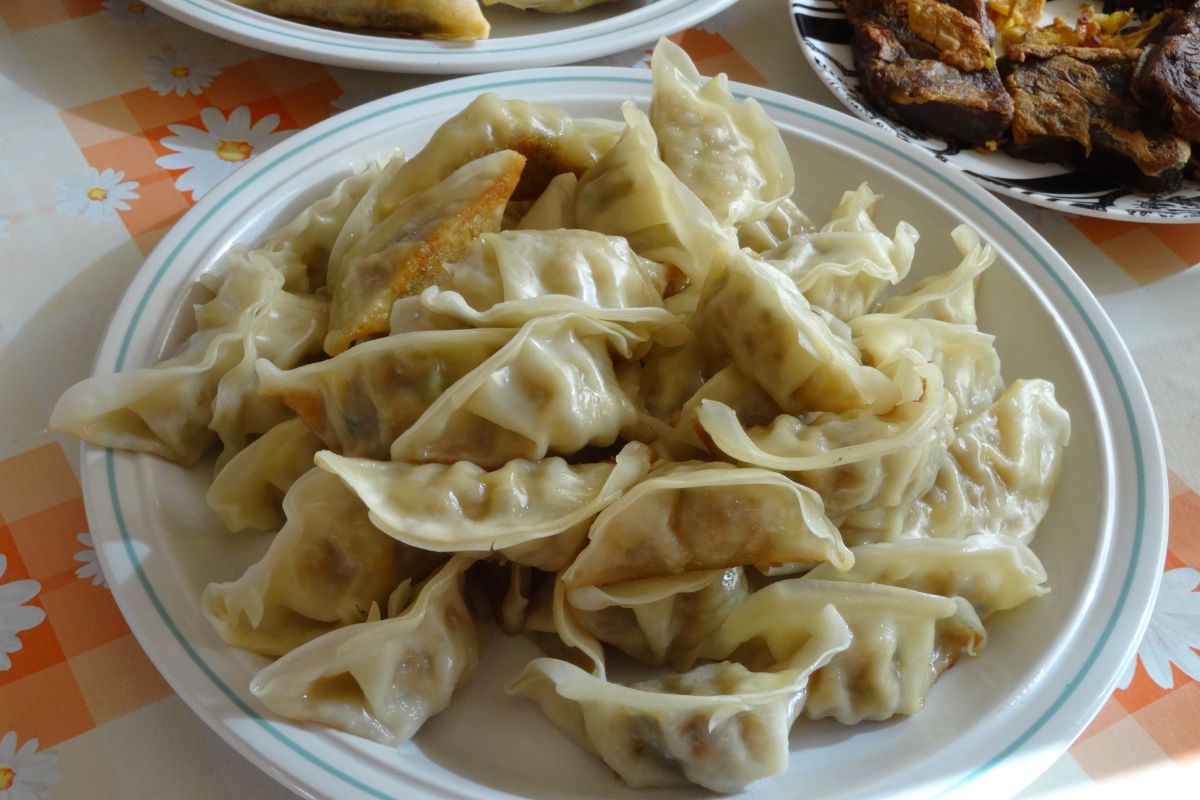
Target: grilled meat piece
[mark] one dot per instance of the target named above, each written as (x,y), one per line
(929,65)
(1168,79)
(1075,105)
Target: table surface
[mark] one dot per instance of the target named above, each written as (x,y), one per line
(87,98)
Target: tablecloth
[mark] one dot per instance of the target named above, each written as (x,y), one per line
(111,115)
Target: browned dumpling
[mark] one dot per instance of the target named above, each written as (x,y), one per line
(460,20)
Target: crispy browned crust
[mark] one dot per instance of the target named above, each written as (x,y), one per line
(939,78)
(1168,79)
(1075,105)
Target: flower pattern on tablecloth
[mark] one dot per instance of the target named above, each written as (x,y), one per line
(95,196)
(15,616)
(90,568)
(130,15)
(209,154)
(25,774)
(1174,631)
(179,71)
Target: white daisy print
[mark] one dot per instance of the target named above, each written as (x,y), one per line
(95,196)
(25,774)
(1174,631)
(15,616)
(91,563)
(179,71)
(215,151)
(130,15)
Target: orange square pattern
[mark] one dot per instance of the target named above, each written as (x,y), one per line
(102,121)
(117,678)
(81,8)
(1185,528)
(237,85)
(131,154)
(40,649)
(22,15)
(1171,722)
(84,616)
(1111,713)
(48,539)
(47,705)
(158,205)
(1120,749)
(713,54)
(34,481)
(1147,252)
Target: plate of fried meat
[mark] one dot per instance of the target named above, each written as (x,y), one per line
(1089,109)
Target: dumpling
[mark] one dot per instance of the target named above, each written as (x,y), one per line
(554,208)
(505,279)
(409,248)
(727,151)
(248,491)
(632,193)
(902,641)
(843,267)
(360,401)
(732,390)
(460,20)
(324,569)
(1001,468)
(966,357)
(867,469)
(548,6)
(168,409)
(462,507)
(688,517)
(990,571)
(720,725)
(310,235)
(550,388)
(782,223)
(758,317)
(409,316)
(381,679)
(949,296)
(659,620)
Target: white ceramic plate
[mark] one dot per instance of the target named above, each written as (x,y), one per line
(518,38)
(991,723)
(824,36)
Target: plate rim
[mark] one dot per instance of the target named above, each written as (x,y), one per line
(396,54)
(1150,538)
(839,90)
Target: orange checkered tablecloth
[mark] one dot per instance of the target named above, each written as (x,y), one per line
(105,107)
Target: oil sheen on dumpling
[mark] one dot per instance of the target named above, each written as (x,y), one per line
(407,251)
(360,401)
(720,726)
(551,388)
(248,491)
(381,679)
(688,517)
(462,507)
(727,151)
(902,641)
(323,570)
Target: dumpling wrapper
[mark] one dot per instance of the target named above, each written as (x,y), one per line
(457,20)
(688,517)
(381,679)
(409,249)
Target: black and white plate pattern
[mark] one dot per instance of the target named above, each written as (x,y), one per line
(824,35)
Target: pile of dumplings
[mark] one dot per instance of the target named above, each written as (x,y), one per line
(607,386)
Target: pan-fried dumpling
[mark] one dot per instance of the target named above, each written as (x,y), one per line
(868,469)
(632,193)
(381,679)
(380,200)
(248,491)
(459,20)
(409,316)
(310,235)
(659,620)
(990,571)
(167,409)
(720,725)
(1001,468)
(949,296)
(758,317)
(555,208)
(843,267)
(966,357)
(462,507)
(508,278)
(902,641)
(688,517)
(409,248)
(551,387)
(548,6)
(360,401)
(727,151)
(323,570)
